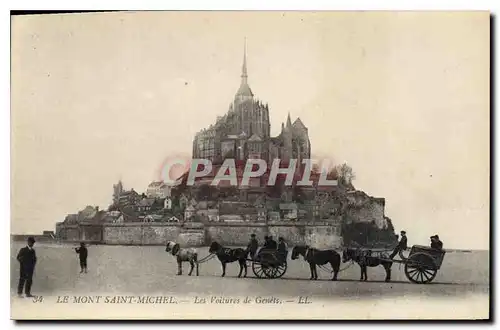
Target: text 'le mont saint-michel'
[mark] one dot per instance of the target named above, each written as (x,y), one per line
(176,300)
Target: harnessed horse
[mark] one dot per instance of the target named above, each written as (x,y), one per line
(317,257)
(365,260)
(190,255)
(228,255)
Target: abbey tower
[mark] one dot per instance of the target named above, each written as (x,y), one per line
(245,131)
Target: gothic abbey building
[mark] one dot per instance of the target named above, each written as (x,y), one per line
(244,132)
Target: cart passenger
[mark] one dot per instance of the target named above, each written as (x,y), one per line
(436,243)
(272,245)
(266,242)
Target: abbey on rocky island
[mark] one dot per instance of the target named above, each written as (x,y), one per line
(244,132)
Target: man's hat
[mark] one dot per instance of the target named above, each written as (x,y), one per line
(436,236)
(31,239)
(281,238)
(266,237)
(403,232)
(253,235)
(433,236)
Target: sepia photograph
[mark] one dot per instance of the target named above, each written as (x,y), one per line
(250,165)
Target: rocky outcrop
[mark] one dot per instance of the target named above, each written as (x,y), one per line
(362,216)
(364,221)
(357,206)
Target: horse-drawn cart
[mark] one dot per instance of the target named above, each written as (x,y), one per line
(269,264)
(420,266)
(422,263)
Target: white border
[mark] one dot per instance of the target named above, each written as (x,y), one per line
(177,5)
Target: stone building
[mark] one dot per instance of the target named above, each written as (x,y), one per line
(123,198)
(244,132)
(158,189)
(128,198)
(167,203)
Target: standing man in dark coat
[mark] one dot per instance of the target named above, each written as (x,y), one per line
(253,246)
(27,262)
(402,245)
(83,253)
(282,248)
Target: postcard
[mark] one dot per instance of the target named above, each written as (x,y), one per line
(250,165)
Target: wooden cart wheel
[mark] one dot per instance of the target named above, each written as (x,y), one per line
(268,265)
(258,270)
(420,268)
(261,264)
(275,271)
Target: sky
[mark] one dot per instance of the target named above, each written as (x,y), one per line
(402,97)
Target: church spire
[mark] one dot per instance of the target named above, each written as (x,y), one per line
(288,121)
(244,92)
(244,75)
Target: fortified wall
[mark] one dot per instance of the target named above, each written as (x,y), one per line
(320,235)
(330,220)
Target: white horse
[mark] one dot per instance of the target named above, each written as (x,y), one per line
(190,255)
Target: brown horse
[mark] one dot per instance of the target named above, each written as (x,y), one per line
(364,260)
(228,255)
(317,257)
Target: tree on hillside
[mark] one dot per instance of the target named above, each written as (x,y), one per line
(345,174)
(330,175)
